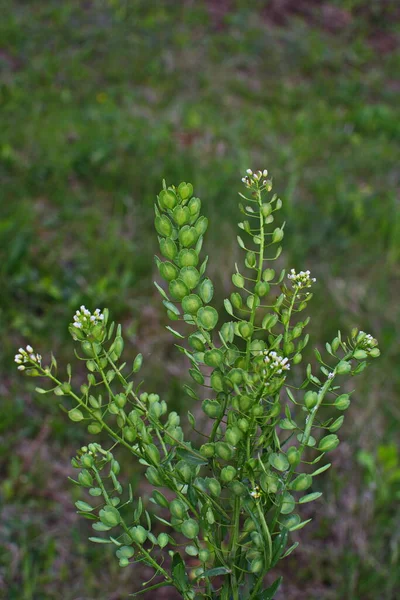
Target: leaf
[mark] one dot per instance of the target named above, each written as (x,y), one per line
(175,333)
(299,525)
(310,497)
(228,307)
(178,572)
(97,540)
(162,292)
(321,470)
(290,550)
(214,572)
(269,593)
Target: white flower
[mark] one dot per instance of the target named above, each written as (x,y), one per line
(276,363)
(84,319)
(252,179)
(27,356)
(331,375)
(366,341)
(301,280)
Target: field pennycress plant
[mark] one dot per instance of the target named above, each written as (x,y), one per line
(229,503)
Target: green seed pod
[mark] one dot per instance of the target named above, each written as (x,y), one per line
(160,499)
(217,381)
(293,455)
(257,410)
(168,271)
(228,474)
(214,357)
(262,288)
(167,199)
(214,486)
(277,235)
(236,300)
(204,555)
(279,461)
(137,363)
(190,276)
(238,488)
(130,434)
(233,435)
(342,402)
(113,409)
(269,321)
(238,280)
(178,289)
(163,226)
(297,358)
(190,529)
(187,236)
(194,340)
(251,259)
(109,516)
(85,478)
(178,509)
(120,400)
(249,525)
(343,367)
(224,451)
(194,206)
(138,534)
(310,399)
(207,450)
(245,403)
(89,349)
(206,290)
(257,539)
(181,215)
(243,425)
(75,415)
(201,225)
(375,352)
(329,442)
(153,454)
(245,329)
(268,274)
(153,476)
(288,504)
(208,317)
(125,552)
(256,565)
(336,425)
(269,482)
(118,346)
(185,190)
(94,428)
(301,483)
(184,471)
(236,376)
(168,248)
(188,257)
(212,408)
(266,209)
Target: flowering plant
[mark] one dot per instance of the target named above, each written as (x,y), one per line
(226,507)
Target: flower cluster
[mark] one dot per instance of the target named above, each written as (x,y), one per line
(366,341)
(301,280)
(275,362)
(255,493)
(25,356)
(254,178)
(83,318)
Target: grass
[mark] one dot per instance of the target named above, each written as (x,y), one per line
(99,102)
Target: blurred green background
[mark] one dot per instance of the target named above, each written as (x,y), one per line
(102,99)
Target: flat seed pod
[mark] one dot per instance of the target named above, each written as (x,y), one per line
(288,504)
(188,258)
(190,276)
(336,425)
(75,415)
(228,473)
(268,274)
(168,248)
(236,300)
(233,435)
(224,451)
(278,461)
(301,483)
(214,486)
(342,402)
(195,340)
(329,442)
(262,288)
(208,317)
(212,408)
(269,482)
(188,236)
(168,271)
(163,226)
(238,280)
(190,529)
(213,358)
(197,376)
(217,381)
(167,199)
(194,206)
(178,289)
(181,215)
(201,225)
(191,305)
(206,290)
(245,329)
(185,190)
(177,508)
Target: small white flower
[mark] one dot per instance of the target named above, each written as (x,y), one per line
(331,375)
(278,363)
(301,280)
(21,368)
(29,348)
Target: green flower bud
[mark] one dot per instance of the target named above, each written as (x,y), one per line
(190,529)
(228,474)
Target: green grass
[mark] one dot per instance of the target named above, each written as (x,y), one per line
(100,101)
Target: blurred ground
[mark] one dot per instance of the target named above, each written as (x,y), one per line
(99,101)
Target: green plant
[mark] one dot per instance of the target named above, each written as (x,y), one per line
(233,497)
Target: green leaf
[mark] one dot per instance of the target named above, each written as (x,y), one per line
(321,470)
(310,497)
(163,294)
(228,308)
(269,593)
(215,572)
(175,333)
(191,458)
(178,571)
(97,540)
(299,525)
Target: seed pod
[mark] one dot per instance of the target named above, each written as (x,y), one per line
(201,225)
(238,280)
(163,226)
(262,288)
(245,329)
(238,488)
(75,415)
(269,321)
(336,425)
(301,483)
(251,260)
(206,290)
(217,381)
(207,450)
(243,425)
(185,190)
(236,300)
(343,367)
(214,357)
(342,402)
(297,358)
(224,450)
(277,235)
(278,461)
(94,428)
(167,199)
(187,236)
(181,215)
(208,317)
(137,363)
(288,504)
(233,435)
(109,516)
(118,346)
(268,274)
(85,478)
(89,349)
(184,471)
(194,340)
(375,352)
(178,509)
(228,474)
(153,454)
(329,442)
(162,540)
(266,209)
(214,486)
(130,434)
(153,476)
(212,408)
(310,399)
(236,376)
(204,555)
(138,534)
(168,248)
(190,276)
(293,455)
(269,482)
(178,289)
(256,565)
(188,258)
(245,403)
(190,529)
(194,206)
(168,271)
